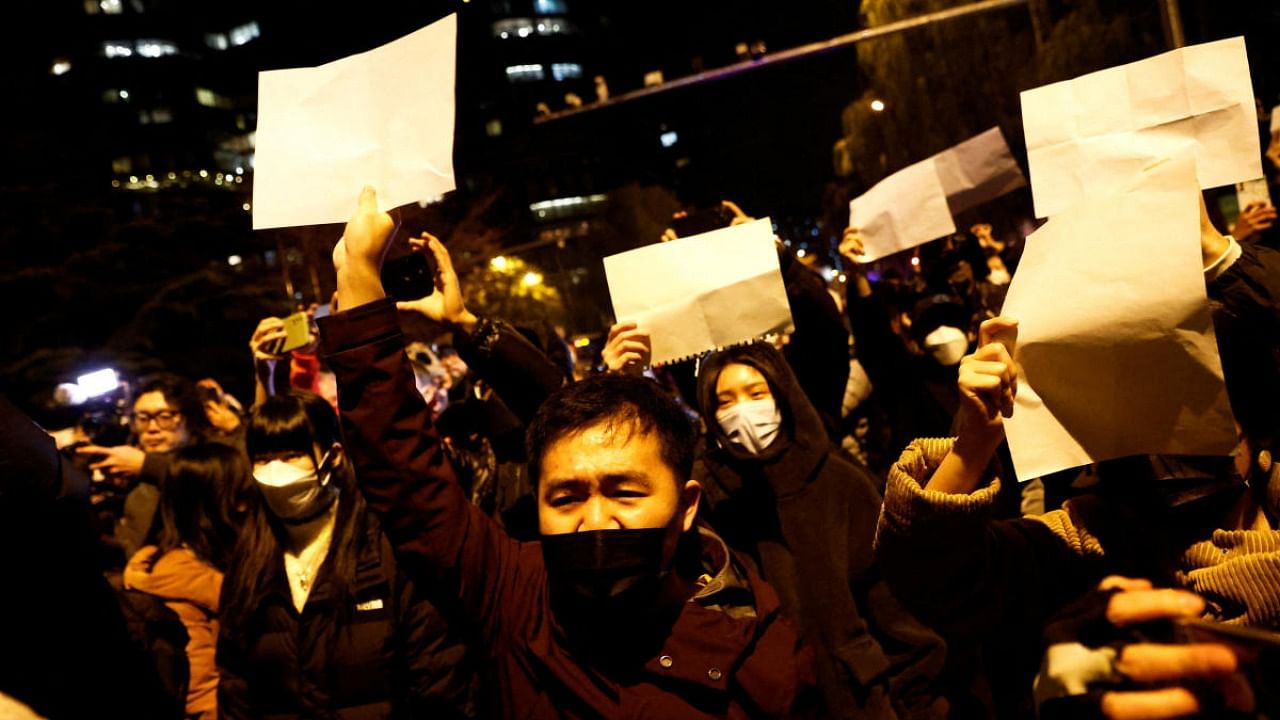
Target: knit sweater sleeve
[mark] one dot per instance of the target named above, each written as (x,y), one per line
(961,570)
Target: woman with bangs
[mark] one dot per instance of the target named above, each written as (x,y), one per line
(317,621)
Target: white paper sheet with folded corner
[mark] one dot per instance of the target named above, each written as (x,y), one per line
(1115,343)
(906,209)
(704,292)
(978,170)
(382,118)
(1096,133)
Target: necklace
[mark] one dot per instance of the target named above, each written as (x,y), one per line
(306,565)
(303,567)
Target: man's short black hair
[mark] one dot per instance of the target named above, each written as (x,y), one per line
(623,402)
(180,394)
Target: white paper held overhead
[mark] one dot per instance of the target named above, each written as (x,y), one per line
(915,205)
(700,293)
(1115,347)
(1097,132)
(382,118)
(906,209)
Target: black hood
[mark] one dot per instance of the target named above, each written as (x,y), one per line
(802,438)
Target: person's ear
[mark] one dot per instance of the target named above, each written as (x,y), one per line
(690,497)
(336,455)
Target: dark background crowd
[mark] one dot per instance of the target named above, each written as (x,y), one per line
(238,482)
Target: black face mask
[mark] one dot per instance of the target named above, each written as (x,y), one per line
(600,573)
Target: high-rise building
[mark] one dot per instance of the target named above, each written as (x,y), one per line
(168,89)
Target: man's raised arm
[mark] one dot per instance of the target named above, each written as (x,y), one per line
(388,435)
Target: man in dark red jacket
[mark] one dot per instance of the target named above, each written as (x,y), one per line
(625,608)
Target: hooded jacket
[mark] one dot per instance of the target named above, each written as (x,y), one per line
(807,517)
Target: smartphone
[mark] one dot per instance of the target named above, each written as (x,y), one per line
(297,328)
(409,277)
(1206,631)
(703,220)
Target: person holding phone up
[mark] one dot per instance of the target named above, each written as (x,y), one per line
(293,338)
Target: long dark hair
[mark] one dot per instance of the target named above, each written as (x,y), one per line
(199,496)
(294,422)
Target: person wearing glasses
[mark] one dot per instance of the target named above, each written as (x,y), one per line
(167,414)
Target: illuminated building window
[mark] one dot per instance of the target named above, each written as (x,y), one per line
(156,48)
(235,37)
(209,98)
(565,71)
(245,33)
(155,116)
(111,7)
(525,27)
(565,206)
(669,138)
(513,27)
(122,165)
(493,128)
(549,7)
(525,73)
(116,49)
(149,48)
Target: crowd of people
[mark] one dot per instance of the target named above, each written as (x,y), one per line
(819,524)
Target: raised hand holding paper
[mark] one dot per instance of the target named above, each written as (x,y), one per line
(1097,132)
(1116,350)
(382,118)
(703,292)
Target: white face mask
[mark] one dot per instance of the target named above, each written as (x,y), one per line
(294,495)
(999,277)
(752,424)
(947,344)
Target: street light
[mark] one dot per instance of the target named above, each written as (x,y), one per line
(877,105)
(531,279)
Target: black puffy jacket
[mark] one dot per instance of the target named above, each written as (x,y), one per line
(391,655)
